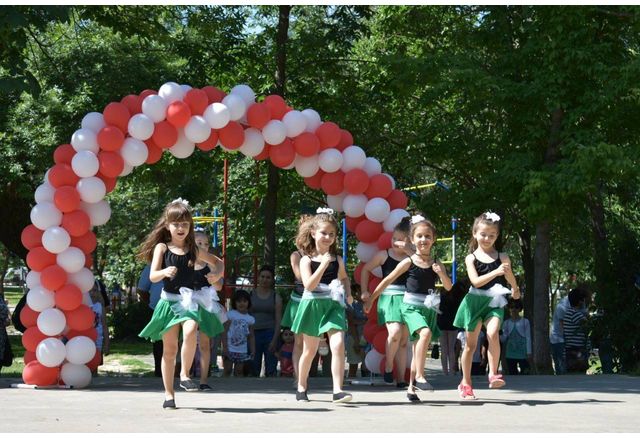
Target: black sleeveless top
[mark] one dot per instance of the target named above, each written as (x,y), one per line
(421,280)
(200,278)
(483,268)
(389,265)
(183,278)
(329,274)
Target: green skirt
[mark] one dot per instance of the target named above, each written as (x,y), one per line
(289,313)
(164,318)
(417,317)
(389,309)
(317,316)
(474,309)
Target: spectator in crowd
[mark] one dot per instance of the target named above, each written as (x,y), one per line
(6,354)
(285,353)
(266,308)
(149,293)
(449,304)
(100,322)
(576,342)
(516,334)
(239,340)
(356,319)
(556,334)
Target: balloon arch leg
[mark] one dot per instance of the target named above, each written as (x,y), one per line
(138,130)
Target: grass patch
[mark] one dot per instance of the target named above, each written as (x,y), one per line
(135,346)
(13,295)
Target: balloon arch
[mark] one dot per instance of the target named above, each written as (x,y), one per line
(60,335)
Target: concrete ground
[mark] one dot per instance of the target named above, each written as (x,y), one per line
(596,403)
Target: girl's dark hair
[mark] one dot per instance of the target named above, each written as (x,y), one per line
(404,226)
(240,295)
(482,219)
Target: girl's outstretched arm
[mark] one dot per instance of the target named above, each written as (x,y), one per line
(157,273)
(441,271)
(401,268)
(215,262)
(311,280)
(344,278)
(508,274)
(294,260)
(479,281)
(376,261)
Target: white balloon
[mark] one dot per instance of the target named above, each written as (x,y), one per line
(155,108)
(354,158)
(306,166)
(371,360)
(330,160)
(141,126)
(393,181)
(217,115)
(134,151)
(295,122)
(71,260)
(274,132)
(80,350)
(393,219)
(185,88)
(377,209)
(44,215)
(197,129)
(335,201)
(91,189)
(93,121)
(126,170)
(44,192)
(290,165)
(56,239)
(99,213)
(313,120)
(171,92)
(377,272)
(85,140)
(51,322)
(183,147)
(372,166)
(51,352)
(33,279)
(245,92)
(354,205)
(366,252)
(83,279)
(253,142)
(85,164)
(236,105)
(39,298)
(76,375)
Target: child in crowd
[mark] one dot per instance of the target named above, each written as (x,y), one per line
(576,342)
(285,352)
(356,319)
(516,333)
(239,344)
(100,322)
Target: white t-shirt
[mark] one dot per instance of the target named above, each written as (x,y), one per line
(239,331)
(97,323)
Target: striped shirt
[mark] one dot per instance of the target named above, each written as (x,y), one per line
(575,335)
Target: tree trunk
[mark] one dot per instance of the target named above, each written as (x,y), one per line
(273,176)
(524,237)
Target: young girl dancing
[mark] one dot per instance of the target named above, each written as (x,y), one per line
(321,308)
(489,271)
(420,303)
(390,301)
(172,251)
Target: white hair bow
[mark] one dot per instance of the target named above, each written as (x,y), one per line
(327,210)
(181,201)
(416,219)
(492,216)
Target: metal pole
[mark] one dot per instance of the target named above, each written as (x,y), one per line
(225,219)
(215,228)
(454,265)
(344,241)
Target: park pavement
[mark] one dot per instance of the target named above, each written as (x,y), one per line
(533,404)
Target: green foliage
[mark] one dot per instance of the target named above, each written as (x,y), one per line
(128,321)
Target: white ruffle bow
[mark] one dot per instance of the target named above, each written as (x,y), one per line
(433,301)
(206,297)
(335,288)
(497,292)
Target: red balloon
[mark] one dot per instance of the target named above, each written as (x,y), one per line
(88,261)
(165,135)
(315,181)
(384,241)
(197,100)
(155,152)
(66,198)
(53,277)
(31,337)
(29,357)
(397,199)
(380,343)
(117,114)
(62,175)
(352,223)
(333,183)
(357,273)
(35,373)
(133,103)
(329,135)
(258,115)
(80,318)
(264,154)
(31,237)
(68,297)
(214,94)
(356,181)
(111,163)
(28,317)
(92,333)
(282,155)
(307,144)
(77,223)
(373,283)
(368,231)
(210,143)
(109,182)
(277,106)
(178,114)
(379,186)
(346,140)
(95,361)
(110,138)
(371,328)
(87,242)
(147,92)
(38,258)
(232,135)
(64,154)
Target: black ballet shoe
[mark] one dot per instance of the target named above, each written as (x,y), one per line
(169,404)
(413,398)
